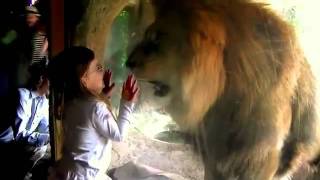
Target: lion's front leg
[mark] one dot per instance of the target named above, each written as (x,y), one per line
(250,151)
(258,165)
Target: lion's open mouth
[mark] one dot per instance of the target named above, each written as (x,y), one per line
(160,89)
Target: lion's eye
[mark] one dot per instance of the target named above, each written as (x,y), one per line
(150,47)
(154,36)
(152,42)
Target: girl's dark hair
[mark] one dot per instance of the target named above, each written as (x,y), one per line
(66,69)
(65,72)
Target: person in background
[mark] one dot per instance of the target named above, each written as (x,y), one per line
(31,126)
(39,40)
(32,44)
(88,122)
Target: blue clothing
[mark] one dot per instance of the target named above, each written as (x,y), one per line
(32,121)
(28,133)
(6,136)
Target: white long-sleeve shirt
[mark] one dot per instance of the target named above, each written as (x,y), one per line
(32,121)
(89,128)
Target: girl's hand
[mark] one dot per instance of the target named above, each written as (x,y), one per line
(130,89)
(108,86)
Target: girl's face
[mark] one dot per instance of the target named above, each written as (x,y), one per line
(92,79)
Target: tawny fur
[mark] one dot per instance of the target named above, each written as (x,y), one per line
(239,81)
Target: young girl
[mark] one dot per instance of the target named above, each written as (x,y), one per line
(89,126)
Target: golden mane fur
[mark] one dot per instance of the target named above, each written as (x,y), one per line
(239,81)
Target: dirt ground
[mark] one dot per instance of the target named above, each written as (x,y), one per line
(177,158)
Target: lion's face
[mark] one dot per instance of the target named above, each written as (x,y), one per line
(179,65)
(157,59)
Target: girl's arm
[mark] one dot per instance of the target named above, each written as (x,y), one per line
(106,125)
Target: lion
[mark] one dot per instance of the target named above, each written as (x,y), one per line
(236,79)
